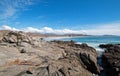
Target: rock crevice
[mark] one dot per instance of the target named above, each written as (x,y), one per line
(111,59)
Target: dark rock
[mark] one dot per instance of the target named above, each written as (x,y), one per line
(91,65)
(29,72)
(23,51)
(84,45)
(111,59)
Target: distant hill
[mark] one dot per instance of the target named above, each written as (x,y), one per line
(110,35)
(55,35)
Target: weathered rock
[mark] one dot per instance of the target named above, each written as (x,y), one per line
(86,55)
(111,59)
(17,38)
(90,64)
(24,44)
(56,58)
(62,67)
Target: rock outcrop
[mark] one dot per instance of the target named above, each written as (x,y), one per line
(111,59)
(23,57)
(17,38)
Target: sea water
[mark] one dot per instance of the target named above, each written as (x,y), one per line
(93,41)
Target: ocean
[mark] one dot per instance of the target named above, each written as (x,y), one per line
(93,41)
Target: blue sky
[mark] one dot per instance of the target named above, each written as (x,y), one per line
(50,16)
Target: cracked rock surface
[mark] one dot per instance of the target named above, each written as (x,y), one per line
(21,55)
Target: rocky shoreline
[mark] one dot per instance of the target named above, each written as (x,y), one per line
(111,59)
(21,55)
(24,55)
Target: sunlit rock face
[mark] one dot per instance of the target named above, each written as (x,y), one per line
(21,55)
(17,37)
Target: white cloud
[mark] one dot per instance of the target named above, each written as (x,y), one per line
(8,12)
(100,29)
(31,29)
(42,30)
(6,27)
(47,30)
(9,8)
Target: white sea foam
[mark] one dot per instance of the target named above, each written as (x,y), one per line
(94,45)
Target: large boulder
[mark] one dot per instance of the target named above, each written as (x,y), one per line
(18,38)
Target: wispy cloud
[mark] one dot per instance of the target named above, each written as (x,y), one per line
(101,29)
(9,8)
(105,29)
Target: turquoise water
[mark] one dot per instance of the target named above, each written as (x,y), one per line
(93,41)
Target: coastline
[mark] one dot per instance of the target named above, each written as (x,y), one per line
(48,56)
(94,45)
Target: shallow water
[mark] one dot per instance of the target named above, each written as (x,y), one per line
(103,73)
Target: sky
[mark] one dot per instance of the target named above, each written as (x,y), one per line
(94,17)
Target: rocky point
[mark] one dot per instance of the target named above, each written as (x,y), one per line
(23,55)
